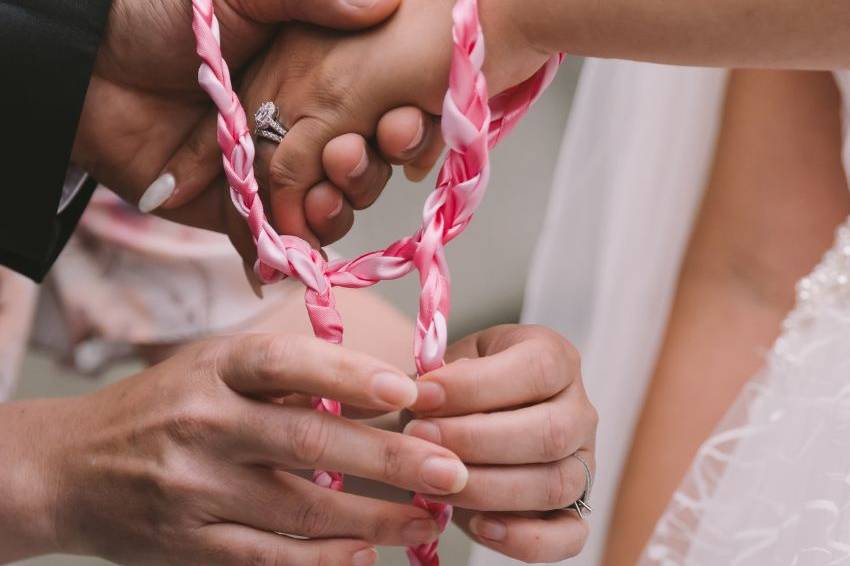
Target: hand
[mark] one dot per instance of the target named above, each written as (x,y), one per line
(512,406)
(189,461)
(328,84)
(143,100)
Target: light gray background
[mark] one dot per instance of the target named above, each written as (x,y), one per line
(489,262)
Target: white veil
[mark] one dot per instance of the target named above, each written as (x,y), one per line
(633,165)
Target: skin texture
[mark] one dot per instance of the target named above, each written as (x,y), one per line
(473,403)
(143,106)
(517,386)
(190,461)
(776,194)
(724,33)
(329,84)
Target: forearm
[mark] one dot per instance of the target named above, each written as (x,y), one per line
(724,33)
(25,513)
(776,194)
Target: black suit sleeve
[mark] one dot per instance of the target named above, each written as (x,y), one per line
(47,52)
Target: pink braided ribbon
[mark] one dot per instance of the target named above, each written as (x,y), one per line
(471,125)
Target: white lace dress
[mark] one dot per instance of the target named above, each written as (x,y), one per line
(772,485)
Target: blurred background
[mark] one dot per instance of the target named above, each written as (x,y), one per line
(489,262)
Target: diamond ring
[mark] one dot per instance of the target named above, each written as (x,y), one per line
(581,505)
(266,124)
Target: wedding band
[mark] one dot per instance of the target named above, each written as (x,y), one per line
(266,124)
(581,505)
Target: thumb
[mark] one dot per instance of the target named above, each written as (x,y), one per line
(337,14)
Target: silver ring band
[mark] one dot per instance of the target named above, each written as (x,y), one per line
(266,123)
(581,505)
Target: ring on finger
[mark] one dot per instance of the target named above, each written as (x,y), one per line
(582,505)
(267,124)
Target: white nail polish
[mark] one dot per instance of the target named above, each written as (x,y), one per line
(159,192)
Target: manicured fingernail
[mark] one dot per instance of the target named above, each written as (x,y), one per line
(394,389)
(361,3)
(491,529)
(157,193)
(417,139)
(419,531)
(365,557)
(361,166)
(431,396)
(426,430)
(336,210)
(444,474)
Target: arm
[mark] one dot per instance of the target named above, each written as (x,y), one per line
(776,194)
(48,50)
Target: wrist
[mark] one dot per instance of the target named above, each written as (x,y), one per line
(512,53)
(27,506)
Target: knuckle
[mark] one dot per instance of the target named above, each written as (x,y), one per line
(548,372)
(264,556)
(393,464)
(313,518)
(194,422)
(561,487)
(271,352)
(556,435)
(309,438)
(592,417)
(282,173)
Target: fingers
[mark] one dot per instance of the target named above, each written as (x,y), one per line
(190,171)
(538,434)
(337,14)
(529,370)
(353,166)
(285,503)
(534,487)
(329,214)
(226,544)
(358,174)
(273,365)
(295,167)
(542,538)
(410,136)
(306,439)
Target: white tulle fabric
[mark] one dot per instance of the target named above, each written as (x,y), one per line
(772,484)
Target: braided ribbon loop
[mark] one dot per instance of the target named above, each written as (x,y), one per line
(471,126)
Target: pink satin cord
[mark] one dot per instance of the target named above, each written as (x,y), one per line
(471,127)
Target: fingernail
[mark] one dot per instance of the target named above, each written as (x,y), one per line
(491,529)
(361,3)
(157,193)
(336,210)
(431,395)
(426,430)
(394,389)
(417,139)
(444,474)
(361,166)
(419,531)
(365,557)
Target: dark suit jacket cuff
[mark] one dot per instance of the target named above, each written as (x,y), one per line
(48,51)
